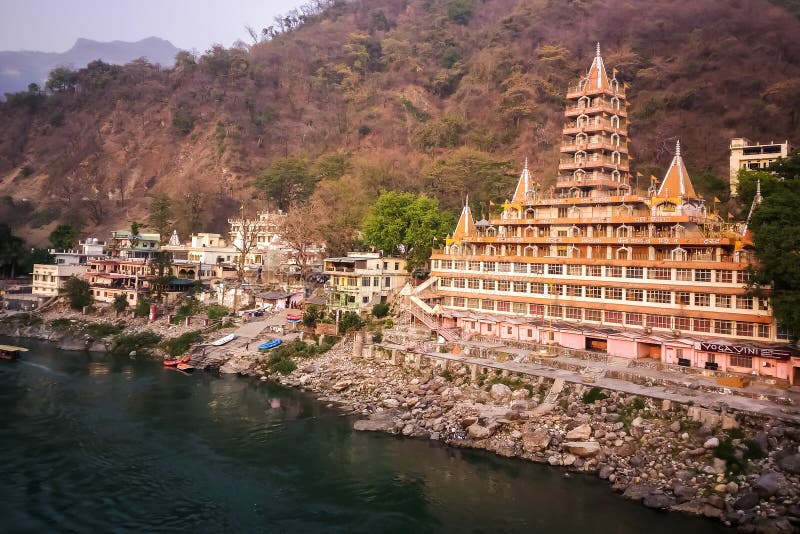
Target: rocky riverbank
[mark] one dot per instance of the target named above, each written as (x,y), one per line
(741,469)
(71,330)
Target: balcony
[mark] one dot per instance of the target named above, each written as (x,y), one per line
(597,125)
(598,107)
(603,143)
(594,162)
(576,91)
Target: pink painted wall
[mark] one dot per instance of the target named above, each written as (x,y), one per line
(573,341)
(622,347)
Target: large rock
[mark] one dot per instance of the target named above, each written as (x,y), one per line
(580,433)
(790,464)
(711,443)
(658,500)
(391,403)
(683,493)
(477,431)
(584,449)
(637,492)
(500,391)
(535,441)
(768,484)
(747,501)
(376,423)
(72,343)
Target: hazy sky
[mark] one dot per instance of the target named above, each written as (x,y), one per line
(54,25)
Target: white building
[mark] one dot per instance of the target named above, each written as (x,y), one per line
(362,279)
(49,279)
(753,157)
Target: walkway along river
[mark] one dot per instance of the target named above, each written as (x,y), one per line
(94,443)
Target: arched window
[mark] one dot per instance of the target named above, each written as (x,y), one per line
(623,253)
(678,254)
(615,139)
(615,121)
(530,213)
(584,102)
(623,231)
(616,176)
(491,231)
(615,102)
(581,139)
(531,251)
(579,175)
(491,250)
(583,121)
(616,157)
(455,249)
(530,231)
(580,156)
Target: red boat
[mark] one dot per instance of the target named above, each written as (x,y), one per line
(176,362)
(293,317)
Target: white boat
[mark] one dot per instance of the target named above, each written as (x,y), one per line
(223,340)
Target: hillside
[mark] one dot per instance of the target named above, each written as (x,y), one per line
(441,96)
(18,69)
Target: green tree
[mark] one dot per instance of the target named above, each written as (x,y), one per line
(484,176)
(160,217)
(61,79)
(380,310)
(183,121)
(285,181)
(77,292)
(349,321)
(120,303)
(748,180)
(776,234)
(12,251)
(64,237)
(460,11)
(407,224)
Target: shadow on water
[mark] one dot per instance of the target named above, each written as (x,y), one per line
(95,443)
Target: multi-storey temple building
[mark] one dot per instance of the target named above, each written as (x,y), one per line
(599,265)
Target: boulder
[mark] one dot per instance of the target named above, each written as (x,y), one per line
(747,501)
(637,492)
(376,423)
(675,426)
(500,391)
(580,433)
(658,500)
(790,464)
(535,441)
(683,493)
(605,471)
(711,443)
(584,449)
(568,459)
(477,431)
(768,484)
(391,403)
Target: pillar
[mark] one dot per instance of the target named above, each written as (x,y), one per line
(473,371)
(358,345)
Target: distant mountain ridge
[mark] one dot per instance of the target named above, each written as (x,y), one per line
(20,68)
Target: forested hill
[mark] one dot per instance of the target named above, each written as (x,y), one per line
(340,100)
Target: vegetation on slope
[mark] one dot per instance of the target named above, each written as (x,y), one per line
(340,100)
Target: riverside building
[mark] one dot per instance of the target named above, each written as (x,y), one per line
(597,265)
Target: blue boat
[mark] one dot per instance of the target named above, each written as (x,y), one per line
(269,344)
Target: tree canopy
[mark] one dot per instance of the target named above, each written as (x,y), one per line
(406,224)
(285,181)
(776,233)
(64,237)
(77,292)
(160,217)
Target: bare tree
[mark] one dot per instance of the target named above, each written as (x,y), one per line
(245,233)
(301,231)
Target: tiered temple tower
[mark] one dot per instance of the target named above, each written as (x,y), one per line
(598,265)
(594,152)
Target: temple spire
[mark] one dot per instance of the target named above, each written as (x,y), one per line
(466,224)
(524,185)
(597,78)
(757,199)
(677,181)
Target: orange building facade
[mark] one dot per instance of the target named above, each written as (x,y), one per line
(600,265)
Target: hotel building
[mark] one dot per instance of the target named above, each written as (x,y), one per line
(597,265)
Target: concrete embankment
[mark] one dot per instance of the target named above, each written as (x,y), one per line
(740,468)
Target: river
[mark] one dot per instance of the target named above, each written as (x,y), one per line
(93,443)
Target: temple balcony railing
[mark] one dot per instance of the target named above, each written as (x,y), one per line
(599,107)
(600,144)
